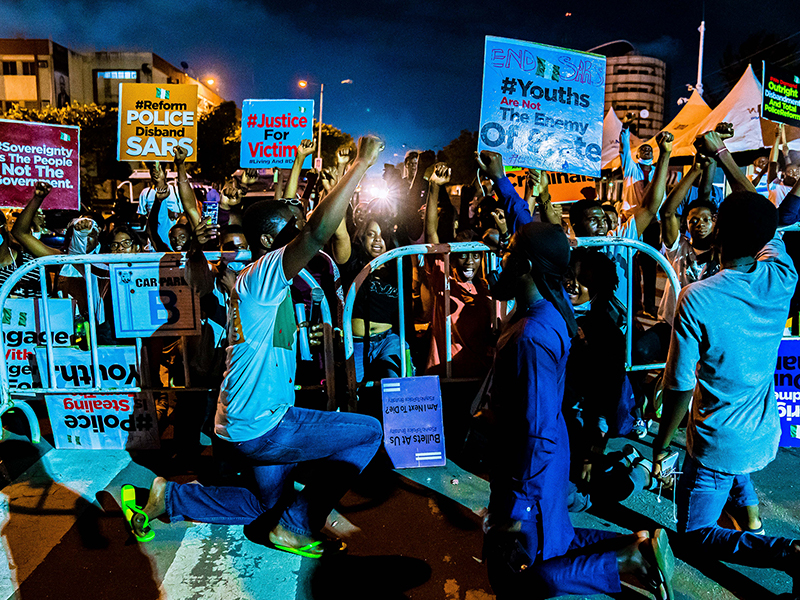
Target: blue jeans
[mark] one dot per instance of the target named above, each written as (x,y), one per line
(382,358)
(702,494)
(343,442)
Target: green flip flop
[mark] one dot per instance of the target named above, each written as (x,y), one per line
(129,508)
(308,550)
(665,562)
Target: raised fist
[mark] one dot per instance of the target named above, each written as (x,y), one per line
(42,189)
(305,148)
(441,174)
(370,148)
(664,140)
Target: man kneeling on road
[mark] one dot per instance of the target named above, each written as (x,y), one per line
(256,413)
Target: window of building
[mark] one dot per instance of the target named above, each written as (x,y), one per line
(9,67)
(29,68)
(117,75)
(107,85)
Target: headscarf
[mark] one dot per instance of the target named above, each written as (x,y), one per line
(547,248)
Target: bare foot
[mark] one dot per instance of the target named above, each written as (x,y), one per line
(155,507)
(280,536)
(338,526)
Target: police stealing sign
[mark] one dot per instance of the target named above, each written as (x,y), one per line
(154,119)
(103,421)
(153,300)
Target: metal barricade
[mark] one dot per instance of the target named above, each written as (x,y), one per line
(398,254)
(48,376)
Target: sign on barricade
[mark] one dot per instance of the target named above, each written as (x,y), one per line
(103,421)
(781,101)
(787,391)
(412,421)
(153,300)
(154,118)
(272,130)
(31,152)
(542,106)
(73,366)
(24,329)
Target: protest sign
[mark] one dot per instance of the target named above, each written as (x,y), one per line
(787,391)
(542,106)
(153,300)
(73,367)
(412,421)
(103,421)
(24,329)
(563,187)
(154,118)
(781,102)
(31,152)
(272,130)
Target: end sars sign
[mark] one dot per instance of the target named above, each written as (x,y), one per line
(542,106)
(272,131)
(154,118)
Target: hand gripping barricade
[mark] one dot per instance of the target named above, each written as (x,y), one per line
(491,262)
(12,398)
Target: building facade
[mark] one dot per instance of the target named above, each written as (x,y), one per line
(39,73)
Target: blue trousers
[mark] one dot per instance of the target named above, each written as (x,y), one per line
(378,356)
(701,495)
(343,443)
(586,568)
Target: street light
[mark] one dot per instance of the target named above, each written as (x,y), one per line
(304,84)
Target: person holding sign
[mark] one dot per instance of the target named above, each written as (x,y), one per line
(530,546)
(256,413)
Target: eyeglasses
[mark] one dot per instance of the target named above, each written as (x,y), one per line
(292,202)
(121,244)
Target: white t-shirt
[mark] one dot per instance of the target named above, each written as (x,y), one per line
(683,259)
(171,204)
(778,191)
(258,387)
(724,346)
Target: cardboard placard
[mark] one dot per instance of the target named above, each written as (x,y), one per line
(781,100)
(24,329)
(542,106)
(412,421)
(272,130)
(787,391)
(153,300)
(154,118)
(31,152)
(563,187)
(103,421)
(73,366)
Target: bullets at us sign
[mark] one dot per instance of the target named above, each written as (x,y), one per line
(154,118)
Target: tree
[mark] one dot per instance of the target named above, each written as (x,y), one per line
(98,140)
(332,140)
(460,157)
(219,137)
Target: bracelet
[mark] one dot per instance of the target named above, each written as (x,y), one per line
(721,150)
(183,181)
(504,236)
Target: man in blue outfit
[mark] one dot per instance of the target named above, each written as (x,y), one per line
(256,413)
(531,547)
(722,355)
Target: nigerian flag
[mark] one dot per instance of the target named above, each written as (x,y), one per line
(162,93)
(547,69)
(794,431)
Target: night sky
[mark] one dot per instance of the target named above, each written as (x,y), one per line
(416,67)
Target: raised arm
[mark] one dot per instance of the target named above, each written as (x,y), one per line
(198,272)
(515,208)
(628,164)
(647,211)
(711,144)
(185,190)
(305,148)
(543,198)
(772,166)
(670,223)
(440,177)
(344,156)
(331,210)
(22,226)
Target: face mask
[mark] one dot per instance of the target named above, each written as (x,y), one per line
(646,161)
(502,284)
(236,267)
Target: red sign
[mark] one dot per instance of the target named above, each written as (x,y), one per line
(31,152)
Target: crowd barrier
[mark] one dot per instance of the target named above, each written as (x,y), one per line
(11,397)
(397,254)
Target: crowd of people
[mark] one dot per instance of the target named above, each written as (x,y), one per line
(546,380)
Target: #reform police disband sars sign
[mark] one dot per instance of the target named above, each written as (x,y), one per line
(542,106)
(154,118)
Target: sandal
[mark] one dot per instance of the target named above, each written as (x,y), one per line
(129,509)
(665,565)
(325,547)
